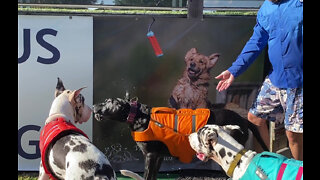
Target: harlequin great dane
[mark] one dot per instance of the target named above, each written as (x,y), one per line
(214,142)
(140,117)
(66,151)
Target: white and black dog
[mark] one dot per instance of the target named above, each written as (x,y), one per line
(66,152)
(214,142)
(137,116)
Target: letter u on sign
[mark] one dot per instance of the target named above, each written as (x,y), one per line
(40,40)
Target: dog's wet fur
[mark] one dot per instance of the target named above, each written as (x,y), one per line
(118,109)
(191,90)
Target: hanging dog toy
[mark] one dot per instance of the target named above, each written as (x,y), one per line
(154,42)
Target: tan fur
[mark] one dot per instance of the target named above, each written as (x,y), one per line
(191,91)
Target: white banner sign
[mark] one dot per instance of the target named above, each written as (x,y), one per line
(49,47)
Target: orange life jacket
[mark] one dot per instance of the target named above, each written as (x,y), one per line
(172,127)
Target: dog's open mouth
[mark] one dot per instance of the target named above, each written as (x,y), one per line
(98,117)
(98,112)
(202,157)
(193,71)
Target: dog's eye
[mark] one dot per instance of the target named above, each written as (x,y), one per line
(201,61)
(68,92)
(191,59)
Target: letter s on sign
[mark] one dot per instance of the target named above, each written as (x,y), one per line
(21,152)
(39,37)
(55,52)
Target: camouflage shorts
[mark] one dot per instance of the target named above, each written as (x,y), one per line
(277,104)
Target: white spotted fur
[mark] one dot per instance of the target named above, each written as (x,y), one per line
(220,139)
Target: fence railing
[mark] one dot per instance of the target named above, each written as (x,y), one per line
(193,10)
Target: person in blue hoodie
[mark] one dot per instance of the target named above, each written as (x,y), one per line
(280,26)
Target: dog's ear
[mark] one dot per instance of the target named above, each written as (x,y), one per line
(212,137)
(213,59)
(134,99)
(127,96)
(74,95)
(59,88)
(208,135)
(233,129)
(190,53)
(229,128)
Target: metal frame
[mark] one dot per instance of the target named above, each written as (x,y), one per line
(106,7)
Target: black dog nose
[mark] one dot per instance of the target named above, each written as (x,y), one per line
(193,64)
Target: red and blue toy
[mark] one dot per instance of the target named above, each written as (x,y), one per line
(154,42)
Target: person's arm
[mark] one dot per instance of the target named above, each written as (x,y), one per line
(251,50)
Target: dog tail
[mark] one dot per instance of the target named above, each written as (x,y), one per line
(256,133)
(131,174)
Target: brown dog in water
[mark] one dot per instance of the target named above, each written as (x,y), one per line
(191,90)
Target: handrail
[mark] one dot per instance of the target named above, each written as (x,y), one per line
(102,7)
(135,7)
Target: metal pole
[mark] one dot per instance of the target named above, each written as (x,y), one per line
(195,9)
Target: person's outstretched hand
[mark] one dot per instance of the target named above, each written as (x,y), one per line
(226,80)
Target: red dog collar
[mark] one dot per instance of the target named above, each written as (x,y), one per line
(133,112)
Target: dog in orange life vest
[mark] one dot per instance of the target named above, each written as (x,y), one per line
(144,120)
(66,151)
